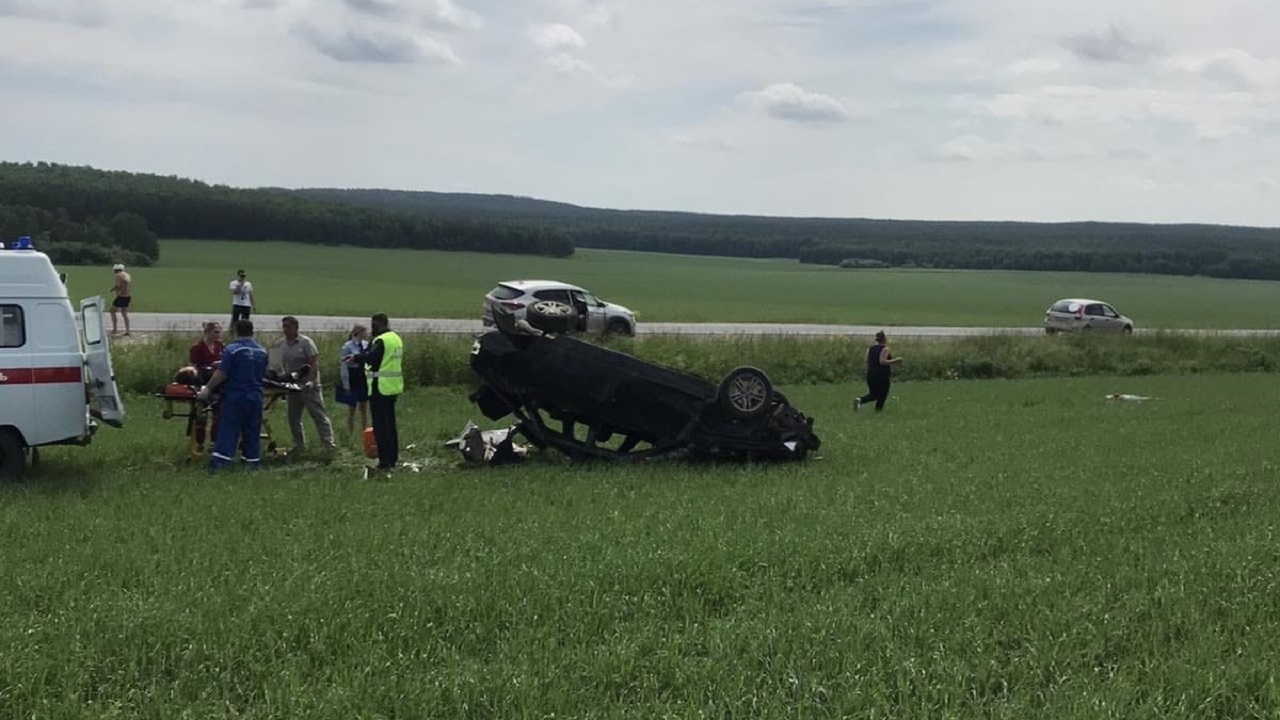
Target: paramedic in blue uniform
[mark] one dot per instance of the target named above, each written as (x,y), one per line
(243,365)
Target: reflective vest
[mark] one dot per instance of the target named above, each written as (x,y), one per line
(390,374)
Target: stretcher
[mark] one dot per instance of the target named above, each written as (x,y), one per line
(181,401)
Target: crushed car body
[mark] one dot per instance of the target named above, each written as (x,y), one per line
(589,401)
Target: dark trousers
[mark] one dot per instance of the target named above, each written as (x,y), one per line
(240,422)
(382,409)
(878,391)
(238,312)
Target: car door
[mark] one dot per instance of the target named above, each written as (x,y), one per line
(97,354)
(1094,320)
(17,404)
(595,313)
(1112,319)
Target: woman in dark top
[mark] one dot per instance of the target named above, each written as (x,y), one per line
(878,366)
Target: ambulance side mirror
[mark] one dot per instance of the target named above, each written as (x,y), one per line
(63,278)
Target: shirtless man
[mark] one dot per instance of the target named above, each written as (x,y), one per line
(123,290)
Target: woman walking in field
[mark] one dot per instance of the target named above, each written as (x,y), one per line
(877,365)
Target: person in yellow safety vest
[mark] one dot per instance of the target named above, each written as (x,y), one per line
(385,363)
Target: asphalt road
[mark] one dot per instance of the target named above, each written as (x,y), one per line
(191,322)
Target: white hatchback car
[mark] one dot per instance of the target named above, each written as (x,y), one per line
(593,314)
(1084,315)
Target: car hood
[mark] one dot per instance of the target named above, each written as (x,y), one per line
(615,309)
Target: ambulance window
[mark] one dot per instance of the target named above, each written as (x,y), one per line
(13,332)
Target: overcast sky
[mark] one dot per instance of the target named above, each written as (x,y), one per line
(1146,110)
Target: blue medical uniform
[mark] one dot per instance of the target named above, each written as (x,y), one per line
(245,363)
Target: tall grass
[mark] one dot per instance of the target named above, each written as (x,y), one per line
(1009,549)
(441,360)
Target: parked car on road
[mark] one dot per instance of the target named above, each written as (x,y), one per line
(1084,315)
(558,304)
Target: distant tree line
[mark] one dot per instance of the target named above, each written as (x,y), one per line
(1212,250)
(123,237)
(78,197)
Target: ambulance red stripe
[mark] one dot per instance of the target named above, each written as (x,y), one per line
(40,376)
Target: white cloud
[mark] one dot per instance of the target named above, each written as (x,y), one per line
(1231,68)
(788,101)
(450,15)
(566,64)
(554,36)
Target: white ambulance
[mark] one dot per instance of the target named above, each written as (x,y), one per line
(55,367)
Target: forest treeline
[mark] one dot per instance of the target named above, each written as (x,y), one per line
(81,214)
(70,207)
(1212,250)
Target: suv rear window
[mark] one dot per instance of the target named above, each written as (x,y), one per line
(504,292)
(1065,306)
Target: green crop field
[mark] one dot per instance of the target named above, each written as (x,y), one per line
(1005,549)
(311,280)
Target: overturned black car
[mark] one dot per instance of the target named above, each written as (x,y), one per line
(592,402)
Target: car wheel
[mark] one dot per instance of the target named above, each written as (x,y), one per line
(1128,330)
(618,328)
(746,392)
(11,457)
(1050,331)
(551,316)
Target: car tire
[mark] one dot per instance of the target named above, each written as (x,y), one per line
(1128,330)
(618,328)
(550,316)
(12,460)
(746,392)
(1050,331)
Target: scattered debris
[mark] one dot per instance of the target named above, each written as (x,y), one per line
(493,447)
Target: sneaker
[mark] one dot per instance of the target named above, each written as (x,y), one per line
(857,404)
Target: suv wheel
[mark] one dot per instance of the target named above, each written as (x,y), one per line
(551,316)
(746,392)
(618,328)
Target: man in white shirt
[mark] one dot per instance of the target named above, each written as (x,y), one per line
(241,298)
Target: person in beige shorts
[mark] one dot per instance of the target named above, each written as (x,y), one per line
(293,352)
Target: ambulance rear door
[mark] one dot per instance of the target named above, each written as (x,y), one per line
(102,378)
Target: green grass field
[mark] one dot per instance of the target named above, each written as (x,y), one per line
(312,280)
(1004,549)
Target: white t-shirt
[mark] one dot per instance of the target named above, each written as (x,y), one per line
(241,296)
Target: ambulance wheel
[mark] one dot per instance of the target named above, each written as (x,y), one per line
(11,456)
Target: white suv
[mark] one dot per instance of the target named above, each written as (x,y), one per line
(593,315)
